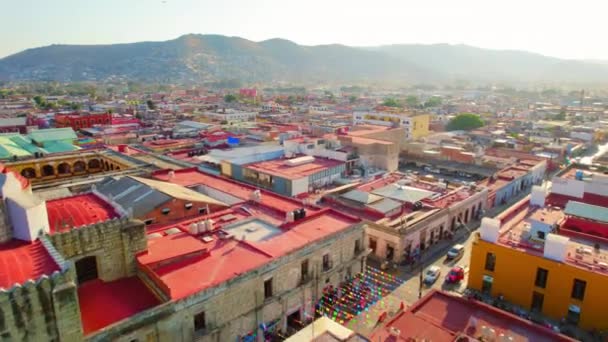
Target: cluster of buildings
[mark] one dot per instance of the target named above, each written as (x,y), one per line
(184,216)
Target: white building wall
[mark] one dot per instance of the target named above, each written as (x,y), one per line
(299,186)
(28,222)
(568,187)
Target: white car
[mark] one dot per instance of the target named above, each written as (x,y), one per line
(432,274)
(456,252)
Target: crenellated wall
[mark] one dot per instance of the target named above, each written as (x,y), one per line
(5,228)
(114,242)
(43,310)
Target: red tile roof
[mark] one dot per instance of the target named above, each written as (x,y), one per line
(442,317)
(102,304)
(184,264)
(277,167)
(21,260)
(76,211)
(225,260)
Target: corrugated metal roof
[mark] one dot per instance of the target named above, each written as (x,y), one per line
(361,196)
(52,134)
(129,193)
(588,211)
(403,193)
(385,206)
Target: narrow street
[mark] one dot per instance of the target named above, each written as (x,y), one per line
(409,292)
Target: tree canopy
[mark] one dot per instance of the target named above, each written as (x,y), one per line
(391,102)
(561,116)
(434,101)
(465,122)
(230,98)
(412,101)
(151,105)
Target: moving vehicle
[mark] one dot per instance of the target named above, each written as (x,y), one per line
(455,276)
(432,274)
(455,253)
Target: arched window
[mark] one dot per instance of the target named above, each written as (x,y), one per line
(79,166)
(94,164)
(64,168)
(28,172)
(48,170)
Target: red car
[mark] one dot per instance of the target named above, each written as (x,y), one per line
(456,275)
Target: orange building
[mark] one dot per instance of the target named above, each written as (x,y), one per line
(527,256)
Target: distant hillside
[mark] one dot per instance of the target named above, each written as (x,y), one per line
(198,58)
(471,63)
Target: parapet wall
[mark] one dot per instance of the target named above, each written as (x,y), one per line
(42,310)
(114,242)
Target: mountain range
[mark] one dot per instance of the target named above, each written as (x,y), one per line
(204,58)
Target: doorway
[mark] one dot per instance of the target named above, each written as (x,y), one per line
(86,269)
(486,285)
(294,320)
(390,252)
(574,314)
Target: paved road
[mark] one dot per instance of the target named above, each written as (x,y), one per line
(408,293)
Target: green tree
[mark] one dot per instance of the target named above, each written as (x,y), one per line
(412,101)
(352,99)
(75,106)
(434,101)
(391,102)
(561,116)
(230,98)
(465,122)
(39,100)
(151,105)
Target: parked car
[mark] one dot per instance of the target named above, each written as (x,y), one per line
(432,274)
(455,276)
(455,253)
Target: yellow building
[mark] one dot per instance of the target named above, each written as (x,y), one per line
(68,165)
(416,125)
(419,126)
(532,266)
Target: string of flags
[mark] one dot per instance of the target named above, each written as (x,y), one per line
(343,304)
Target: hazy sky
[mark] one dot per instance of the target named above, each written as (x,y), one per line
(561,28)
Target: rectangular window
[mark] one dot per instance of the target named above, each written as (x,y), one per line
(202,211)
(166,211)
(357,246)
(188,206)
(326,262)
(578,289)
(149,221)
(541,278)
(372,244)
(268,288)
(304,269)
(199,321)
(490,261)
(537,301)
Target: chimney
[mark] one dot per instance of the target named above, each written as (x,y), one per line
(538,196)
(556,247)
(489,229)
